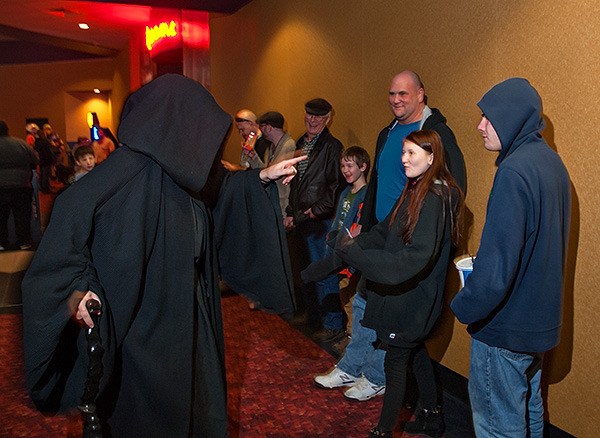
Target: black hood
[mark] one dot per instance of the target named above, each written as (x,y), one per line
(515,110)
(175,121)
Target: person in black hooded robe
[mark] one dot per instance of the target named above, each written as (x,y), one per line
(136,234)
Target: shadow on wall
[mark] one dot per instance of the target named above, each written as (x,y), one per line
(441,336)
(558,362)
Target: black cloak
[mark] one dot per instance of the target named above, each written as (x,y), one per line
(135,231)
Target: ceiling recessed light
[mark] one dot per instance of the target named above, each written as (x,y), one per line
(96,90)
(83,26)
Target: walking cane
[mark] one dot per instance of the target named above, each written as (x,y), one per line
(91,421)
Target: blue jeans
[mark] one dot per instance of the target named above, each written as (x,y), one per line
(360,356)
(505,392)
(314,233)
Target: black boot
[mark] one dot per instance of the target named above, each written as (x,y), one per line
(428,422)
(376,433)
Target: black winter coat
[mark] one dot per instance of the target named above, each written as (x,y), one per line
(404,281)
(321,183)
(44,149)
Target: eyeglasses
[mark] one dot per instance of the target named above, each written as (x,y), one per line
(240,120)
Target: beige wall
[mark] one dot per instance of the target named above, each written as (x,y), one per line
(277,55)
(122,84)
(76,107)
(61,91)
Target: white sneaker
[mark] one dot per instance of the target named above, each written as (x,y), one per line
(335,379)
(364,390)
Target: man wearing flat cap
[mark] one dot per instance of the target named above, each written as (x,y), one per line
(312,202)
(281,147)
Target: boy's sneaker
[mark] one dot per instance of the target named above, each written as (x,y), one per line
(335,379)
(364,390)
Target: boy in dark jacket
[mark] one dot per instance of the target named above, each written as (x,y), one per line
(513,299)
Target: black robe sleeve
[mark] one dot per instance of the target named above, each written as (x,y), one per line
(251,242)
(64,263)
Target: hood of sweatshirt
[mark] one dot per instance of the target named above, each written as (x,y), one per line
(514,109)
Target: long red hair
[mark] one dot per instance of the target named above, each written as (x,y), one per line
(418,188)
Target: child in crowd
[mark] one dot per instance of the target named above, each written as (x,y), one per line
(361,365)
(354,165)
(85,161)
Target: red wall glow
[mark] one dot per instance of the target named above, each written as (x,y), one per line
(196,35)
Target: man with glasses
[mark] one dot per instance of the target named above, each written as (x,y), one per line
(312,202)
(252,145)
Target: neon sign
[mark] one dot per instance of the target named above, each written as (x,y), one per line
(160,31)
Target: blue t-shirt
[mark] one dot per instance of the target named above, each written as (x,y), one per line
(390,171)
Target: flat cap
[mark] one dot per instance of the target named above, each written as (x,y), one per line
(317,107)
(272,118)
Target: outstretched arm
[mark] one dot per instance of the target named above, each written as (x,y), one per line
(284,169)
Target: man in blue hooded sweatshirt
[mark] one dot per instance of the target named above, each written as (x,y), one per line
(512,302)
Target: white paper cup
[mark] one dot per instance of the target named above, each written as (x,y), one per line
(464,265)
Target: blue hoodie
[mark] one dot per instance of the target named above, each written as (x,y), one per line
(513,298)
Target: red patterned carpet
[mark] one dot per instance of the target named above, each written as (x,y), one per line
(269,374)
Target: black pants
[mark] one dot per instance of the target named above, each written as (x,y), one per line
(306,294)
(396,364)
(44,182)
(18,200)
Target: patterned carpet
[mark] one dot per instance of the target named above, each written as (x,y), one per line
(269,374)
